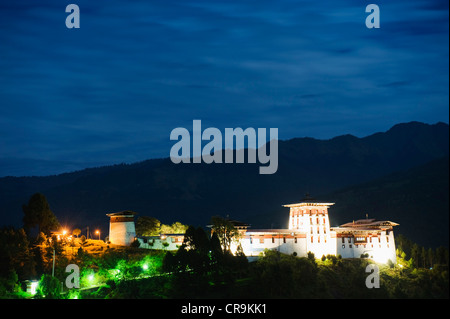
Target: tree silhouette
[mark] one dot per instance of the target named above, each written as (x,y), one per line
(38,213)
(226,231)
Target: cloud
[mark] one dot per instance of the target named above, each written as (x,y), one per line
(136,70)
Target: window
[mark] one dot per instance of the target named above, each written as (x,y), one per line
(295,239)
(284,240)
(251,240)
(273,240)
(261,240)
(343,241)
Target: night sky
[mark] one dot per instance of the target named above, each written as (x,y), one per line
(113,90)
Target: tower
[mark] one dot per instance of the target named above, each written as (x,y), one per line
(121,228)
(311,217)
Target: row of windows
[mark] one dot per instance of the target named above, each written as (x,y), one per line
(312,238)
(311,221)
(361,239)
(169,239)
(309,211)
(261,240)
(364,246)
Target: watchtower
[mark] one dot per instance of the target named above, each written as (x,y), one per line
(122,230)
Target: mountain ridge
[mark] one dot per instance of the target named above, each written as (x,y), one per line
(192,193)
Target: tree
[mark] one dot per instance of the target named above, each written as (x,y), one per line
(179,228)
(150,226)
(49,287)
(16,253)
(76,232)
(424,257)
(169,262)
(442,255)
(196,239)
(225,230)
(38,213)
(415,255)
(430,257)
(147,226)
(216,249)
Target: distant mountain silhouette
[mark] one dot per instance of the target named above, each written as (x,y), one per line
(192,193)
(417,199)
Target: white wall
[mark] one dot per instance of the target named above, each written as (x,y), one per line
(156,242)
(122,233)
(380,249)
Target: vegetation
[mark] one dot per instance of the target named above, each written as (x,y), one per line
(38,213)
(225,231)
(202,268)
(150,226)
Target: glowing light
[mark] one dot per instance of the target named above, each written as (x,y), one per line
(33,287)
(91,277)
(381,257)
(145,267)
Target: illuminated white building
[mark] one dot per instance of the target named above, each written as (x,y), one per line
(122,230)
(161,242)
(309,231)
(367,236)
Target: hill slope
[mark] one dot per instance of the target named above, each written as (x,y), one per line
(417,199)
(192,193)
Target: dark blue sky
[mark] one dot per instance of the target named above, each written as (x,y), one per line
(113,90)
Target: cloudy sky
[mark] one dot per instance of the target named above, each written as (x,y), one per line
(113,90)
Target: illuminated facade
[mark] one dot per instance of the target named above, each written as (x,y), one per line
(367,236)
(162,242)
(309,231)
(122,230)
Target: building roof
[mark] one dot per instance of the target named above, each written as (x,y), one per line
(309,201)
(367,224)
(235,223)
(273,231)
(122,213)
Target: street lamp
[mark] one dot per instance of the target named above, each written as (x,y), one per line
(98,233)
